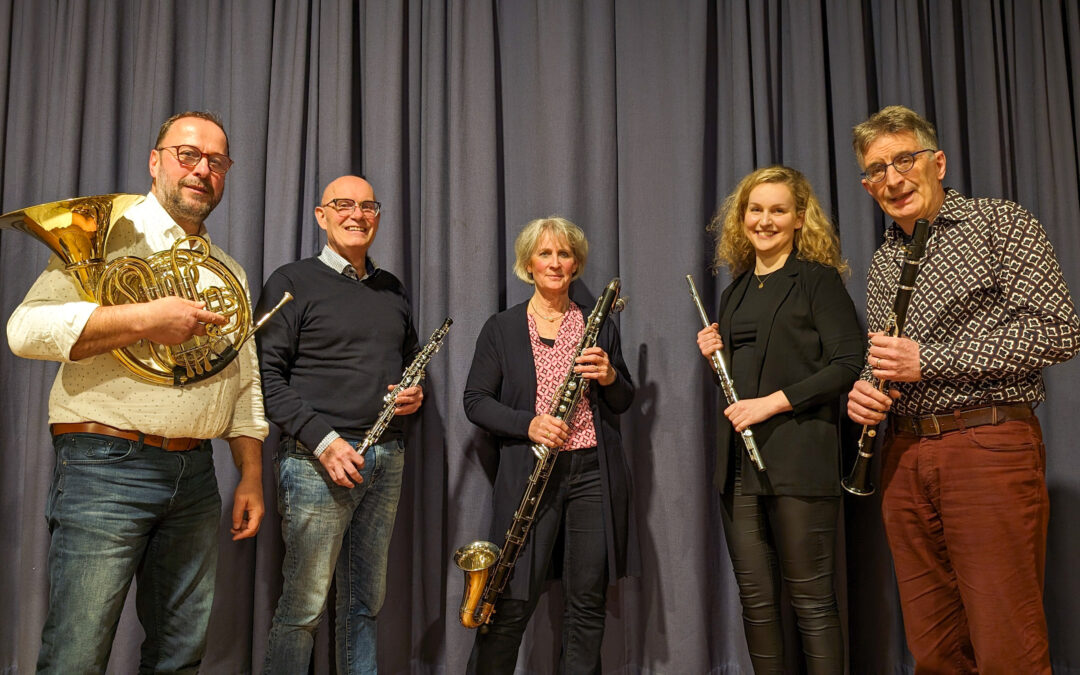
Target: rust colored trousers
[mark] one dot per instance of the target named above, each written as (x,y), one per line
(965,514)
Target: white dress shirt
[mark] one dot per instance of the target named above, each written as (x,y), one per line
(99,388)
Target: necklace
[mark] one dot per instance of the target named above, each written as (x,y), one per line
(545,318)
(762,279)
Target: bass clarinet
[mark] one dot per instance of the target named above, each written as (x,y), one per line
(411,377)
(726,383)
(486,567)
(858,481)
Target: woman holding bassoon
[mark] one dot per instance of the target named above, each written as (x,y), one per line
(795,347)
(582,524)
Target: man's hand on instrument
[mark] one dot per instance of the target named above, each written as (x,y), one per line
(409,400)
(343,463)
(868,406)
(548,430)
(593,364)
(708,340)
(895,359)
(172,320)
(749,411)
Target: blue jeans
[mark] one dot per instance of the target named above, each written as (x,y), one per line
(327,528)
(119,509)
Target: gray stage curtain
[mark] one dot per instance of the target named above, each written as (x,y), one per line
(631,117)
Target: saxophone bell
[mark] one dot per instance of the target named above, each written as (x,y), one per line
(476,560)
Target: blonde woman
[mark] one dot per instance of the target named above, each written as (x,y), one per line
(522,356)
(793,341)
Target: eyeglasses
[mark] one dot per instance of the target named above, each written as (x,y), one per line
(346,207)
(189,157)
(875,173)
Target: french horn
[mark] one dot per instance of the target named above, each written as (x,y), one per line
(77,231)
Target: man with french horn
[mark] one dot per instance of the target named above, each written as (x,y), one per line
(134,492)
(964,498)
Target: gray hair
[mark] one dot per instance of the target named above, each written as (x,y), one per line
(893,119)
(561,228)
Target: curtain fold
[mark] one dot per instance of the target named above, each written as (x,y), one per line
(633,118)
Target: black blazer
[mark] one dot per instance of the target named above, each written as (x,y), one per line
(500,397)
(810,345)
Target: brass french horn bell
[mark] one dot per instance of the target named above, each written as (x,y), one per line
(77,231)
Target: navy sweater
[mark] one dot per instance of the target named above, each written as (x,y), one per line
(327,357)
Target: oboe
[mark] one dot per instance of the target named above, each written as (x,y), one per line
(411,377)
(726,383)
(858,481)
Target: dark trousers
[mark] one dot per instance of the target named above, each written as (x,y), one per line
(966,514)
(770,537)
(572,507)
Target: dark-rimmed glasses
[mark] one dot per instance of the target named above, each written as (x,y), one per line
(346,206)
(189,157)
(875,173)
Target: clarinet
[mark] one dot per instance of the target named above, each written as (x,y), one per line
(411,377)
(486,567)
(726,383)
(858,481)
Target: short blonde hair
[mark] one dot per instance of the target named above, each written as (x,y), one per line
(816,240)
(893,119)
(561,228)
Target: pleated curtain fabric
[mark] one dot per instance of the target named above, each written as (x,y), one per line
(632,118)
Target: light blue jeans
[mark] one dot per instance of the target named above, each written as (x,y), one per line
(119,509)
(329,528)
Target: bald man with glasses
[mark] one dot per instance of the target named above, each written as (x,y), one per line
(327,363)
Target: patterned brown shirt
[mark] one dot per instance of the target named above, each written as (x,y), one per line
(990,307)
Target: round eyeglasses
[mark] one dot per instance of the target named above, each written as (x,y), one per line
(875,173)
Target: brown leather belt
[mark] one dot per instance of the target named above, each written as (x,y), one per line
(933,425)
(170,444)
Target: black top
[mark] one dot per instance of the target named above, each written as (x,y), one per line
(327,357)
(808,344)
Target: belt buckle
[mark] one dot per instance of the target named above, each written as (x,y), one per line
(937,426)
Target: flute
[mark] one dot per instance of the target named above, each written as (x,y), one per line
(716,359)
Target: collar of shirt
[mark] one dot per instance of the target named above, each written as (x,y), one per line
(955,209)
(151,210)
(339,264)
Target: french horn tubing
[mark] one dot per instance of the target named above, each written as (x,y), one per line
(77,231)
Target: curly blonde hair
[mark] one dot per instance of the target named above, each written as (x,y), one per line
(815,241)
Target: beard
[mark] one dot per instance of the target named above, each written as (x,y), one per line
(185,208)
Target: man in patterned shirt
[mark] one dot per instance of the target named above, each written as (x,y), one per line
(964,499)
